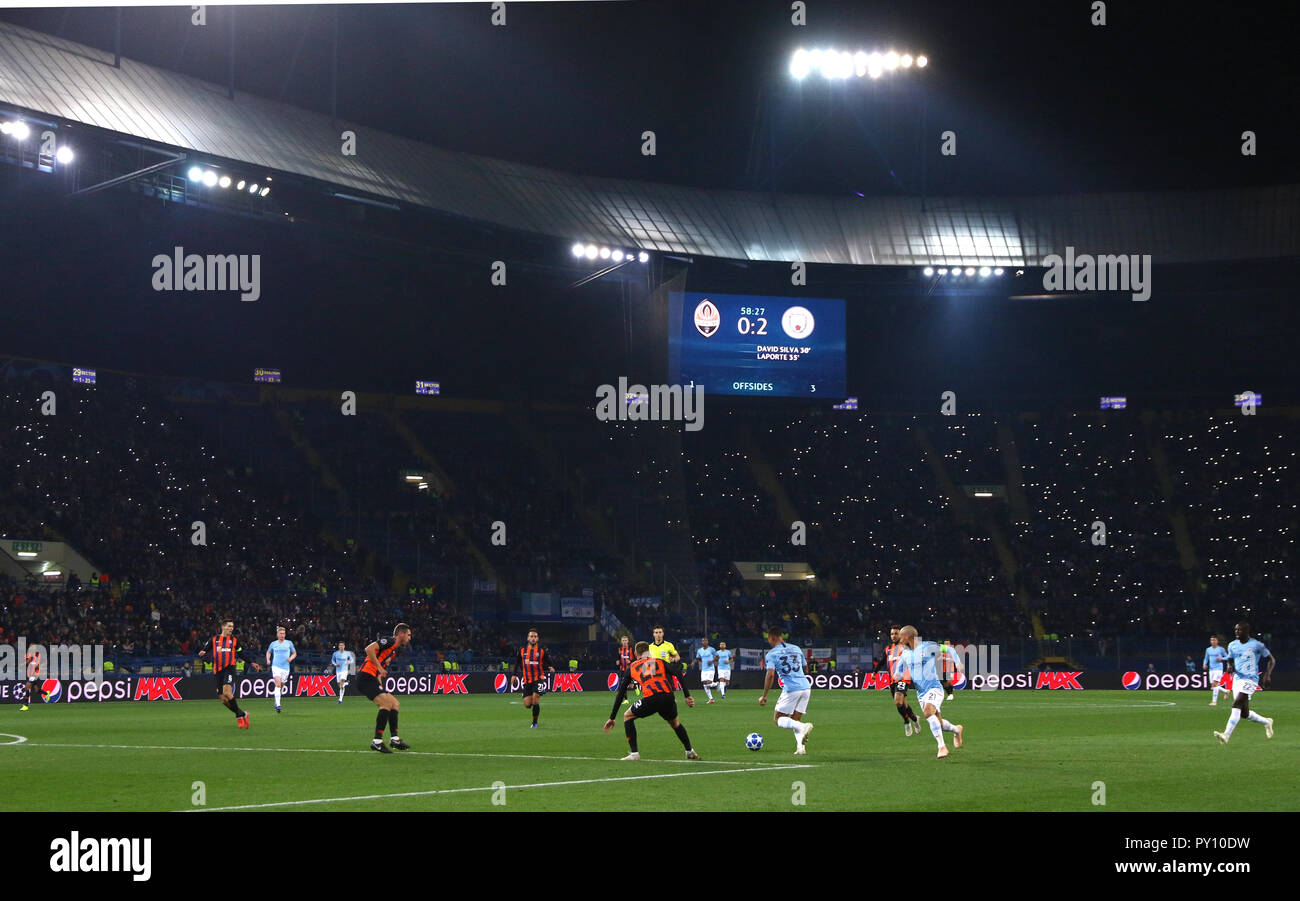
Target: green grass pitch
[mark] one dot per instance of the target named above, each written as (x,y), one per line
(1024,751)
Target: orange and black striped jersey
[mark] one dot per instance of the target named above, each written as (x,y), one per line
(532,663)
(624,658)
(653,676)
(224,651)
(387,651)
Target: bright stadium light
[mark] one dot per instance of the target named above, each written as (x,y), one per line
(970,270)
(844,65)
(922,61)
(21,131)
(591,251)
(604,253)
(985,272)
(943,271)
(195,173)
(905,60)
(643,257)
(240,186)
(210,178)
(799,64)
(618,256)
(6,128)
(224,181)
(997,271)
(578,250)
(64,155)
(891,60)
(265,191)
(875,66)
(860,63)
(252,189)
(929,271)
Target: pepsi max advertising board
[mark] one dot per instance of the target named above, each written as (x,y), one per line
(751,345)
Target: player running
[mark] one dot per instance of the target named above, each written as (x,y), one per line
(279,654)
(343,662)
(788,660)
(225,649)
(379,655)
(1244,655)
(652,674)
(898,688)
(921,659)
(724,668)
(33,661)
(532,660)
(1213,664)
(625,658)
(707,659)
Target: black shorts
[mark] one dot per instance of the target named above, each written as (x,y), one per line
(225,677)
(663,703)
(369,685)
(528,689)
(900,687)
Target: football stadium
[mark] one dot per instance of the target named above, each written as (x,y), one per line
(613,392)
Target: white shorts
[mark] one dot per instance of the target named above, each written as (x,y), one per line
(724,674)
(341,676)
(1215,676)
(793,701)
(707,677)
(33,674)
(1245,687)
(281,674)
(933,697)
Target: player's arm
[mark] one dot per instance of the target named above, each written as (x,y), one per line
(1268,673)
(268,655)
(678,672)
(623,686)
(768,676)
(242,654)
(372,655)
(204,652)
(293,652)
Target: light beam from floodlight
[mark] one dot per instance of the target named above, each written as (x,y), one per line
(64,155)
(224,181)
(643,257)
(874,65)
(618,256)
(891,60)
(209,178)
(928,270)
(985,272)
(922,61)
(578,250)
(970,270)
(905,60)
(799,64)
(195,173)
(21,131)
(591,251)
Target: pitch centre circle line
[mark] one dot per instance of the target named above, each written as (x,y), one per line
(19,738)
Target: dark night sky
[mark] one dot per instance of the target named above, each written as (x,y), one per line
(1041,100)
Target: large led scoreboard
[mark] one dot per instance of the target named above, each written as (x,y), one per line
(751,345)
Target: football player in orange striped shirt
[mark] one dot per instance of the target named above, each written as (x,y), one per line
(379,656)
(911,725)
(532,673)
(224,650)
(655,678)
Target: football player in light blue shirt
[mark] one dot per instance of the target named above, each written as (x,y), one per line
(1213,663)
(787,660)
(279,655)
(707,658)
(724,668)
(922,659)
(343,662)
(1244,655)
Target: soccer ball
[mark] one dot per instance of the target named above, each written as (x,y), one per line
(754,741)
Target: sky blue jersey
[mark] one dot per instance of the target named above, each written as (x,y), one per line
(724,659)
(788,661)
(1246,656)
(280,652)
(1214,657)
(922,661)
(342,660)
(707,657)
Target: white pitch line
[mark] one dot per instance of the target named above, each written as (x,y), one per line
(48,744)
(490,788)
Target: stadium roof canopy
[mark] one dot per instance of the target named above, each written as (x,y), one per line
(52,77)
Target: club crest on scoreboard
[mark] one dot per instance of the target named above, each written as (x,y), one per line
(707,318)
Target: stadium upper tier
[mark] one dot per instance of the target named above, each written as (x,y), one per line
(63,84)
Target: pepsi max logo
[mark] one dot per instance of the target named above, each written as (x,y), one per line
(613,681)
(959,681)
(500,684)
(51,691)
(1132,680)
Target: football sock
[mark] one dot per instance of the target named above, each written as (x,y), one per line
(629,729)
(1216,691)
(392,723)
(681,734)
(1256,718)
(1233,719)
(537,709)
(707,691)
(786,722)
(381,720)
(343,686)
(277,696)
(947,726)
(936,729)
(723,688)
(903,712)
